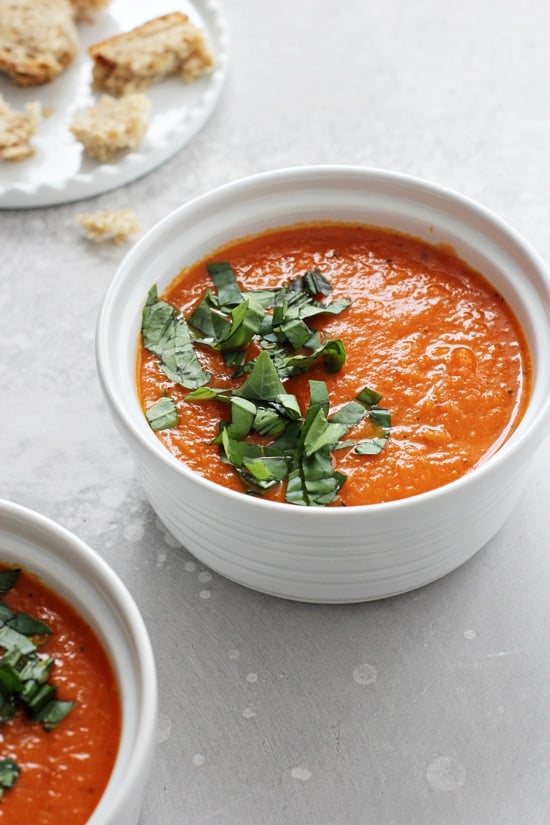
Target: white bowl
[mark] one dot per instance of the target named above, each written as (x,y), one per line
(73,570)
(327,554)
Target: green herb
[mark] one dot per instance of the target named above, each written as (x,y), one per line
(8,578)
(167,335)
(277,321)
(226,285)
(162,414)
(9,773)
(24,674)
(27,625)
(301,451)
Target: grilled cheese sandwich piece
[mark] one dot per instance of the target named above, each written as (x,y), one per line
(167,45)
(16,130)
(112,125)
(38,39)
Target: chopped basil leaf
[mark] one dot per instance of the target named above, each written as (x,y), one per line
(226,284)
(245,322)
(263,383)
(370,446)
(201,318)
(349,415)
(10,638)
(369,397)
(27,625)
(5,613)
(9,773)
(243,413)
(380,417)
(10,680)
(37,669)
(270,421)
(267,468)
(207,393)
(235,451)
(335,308)
(323,434)
(7,710)
(314,483)
(162,414)
(167,335)
(332,352)
(8,579)
(53,713)
(316,283)
(38,698)
(296,332)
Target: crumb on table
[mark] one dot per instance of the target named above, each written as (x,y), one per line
(110,225)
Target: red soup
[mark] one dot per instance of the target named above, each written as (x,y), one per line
(60,768)
(412,333)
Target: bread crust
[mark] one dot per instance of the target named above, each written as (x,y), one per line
(167,45)
(38,39)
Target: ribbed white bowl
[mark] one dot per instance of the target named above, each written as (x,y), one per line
(333,554)
(77,573)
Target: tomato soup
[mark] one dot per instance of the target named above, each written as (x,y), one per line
(422,329)
(63,771)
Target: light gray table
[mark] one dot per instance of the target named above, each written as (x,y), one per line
(427,709)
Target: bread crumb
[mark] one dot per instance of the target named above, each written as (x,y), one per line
(166,45)
(112,125)
(38,39)
(111,225)
(16,130)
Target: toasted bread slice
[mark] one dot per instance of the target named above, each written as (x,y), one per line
(164,46)
(111,225)
(38,39)
(16,130)
(112,125)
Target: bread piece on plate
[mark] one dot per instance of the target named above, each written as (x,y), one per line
(111,225)
(112,125)
(16,130)
(86,9)
(167,45)
(38,39)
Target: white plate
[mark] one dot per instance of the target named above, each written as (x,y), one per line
(59,172)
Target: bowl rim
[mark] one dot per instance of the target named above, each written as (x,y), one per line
(88,563)
(296,174)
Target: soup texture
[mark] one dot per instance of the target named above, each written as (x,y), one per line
(439,350)
(62,771)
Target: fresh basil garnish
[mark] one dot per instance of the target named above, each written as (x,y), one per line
(9,774)
(24,674)
(162,414)
(277,322)
(166,335)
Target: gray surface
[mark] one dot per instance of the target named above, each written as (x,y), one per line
(428,709)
